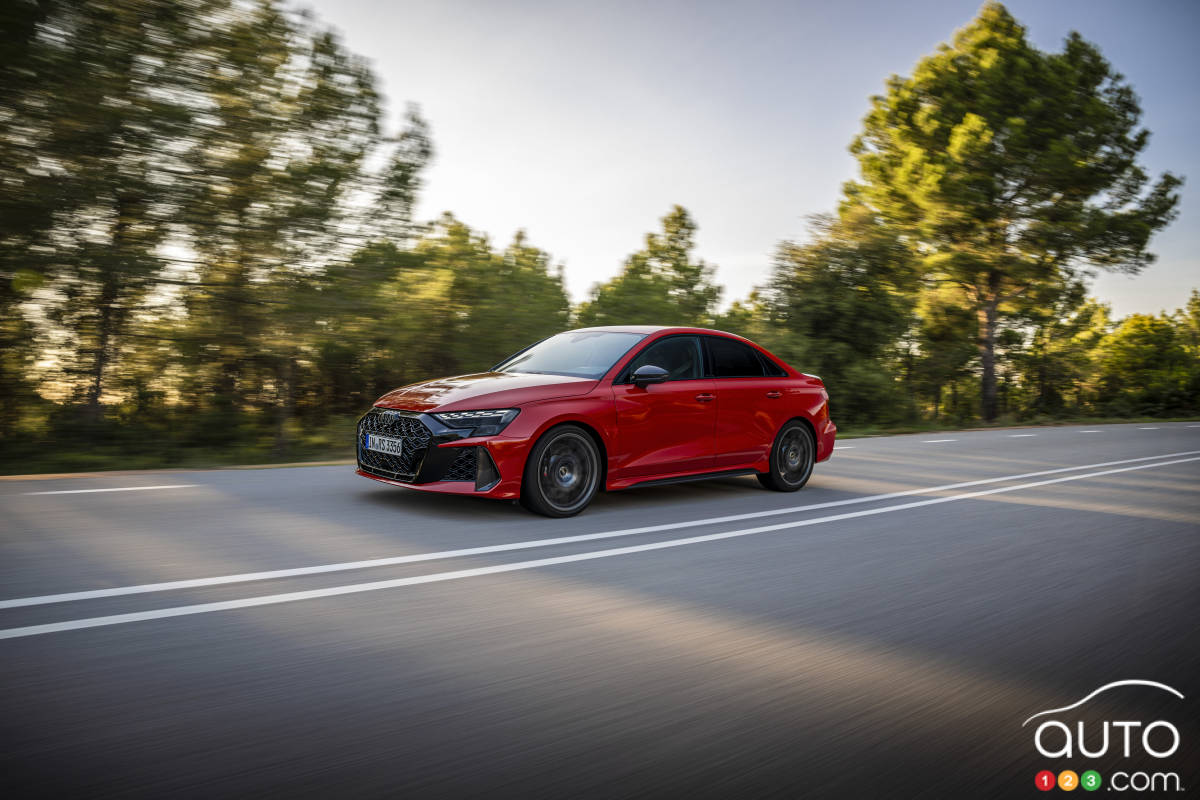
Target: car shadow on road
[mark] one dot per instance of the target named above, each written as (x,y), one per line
(442,507)
(482,509)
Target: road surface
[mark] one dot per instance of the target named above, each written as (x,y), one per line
(885,632)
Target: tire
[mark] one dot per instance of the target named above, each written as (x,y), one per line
(793,456)
(562,473)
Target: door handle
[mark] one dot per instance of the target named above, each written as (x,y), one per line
(774,395)
(705,397)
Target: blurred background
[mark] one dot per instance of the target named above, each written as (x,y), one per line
(211,251)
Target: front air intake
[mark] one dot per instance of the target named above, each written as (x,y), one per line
(486,474)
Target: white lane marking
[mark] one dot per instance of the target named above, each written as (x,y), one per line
(937,441)
(121,489)
(843,447)
(1194,426)
(1147,429)
(1092,431)
(193,583)
(438,577)
(1020,435)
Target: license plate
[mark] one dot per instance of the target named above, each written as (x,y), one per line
(384,444)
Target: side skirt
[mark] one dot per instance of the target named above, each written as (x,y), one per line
(703,476)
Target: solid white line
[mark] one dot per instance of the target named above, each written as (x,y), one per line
(843,447)
(1020,435)
(120,489)
(193,583)
(438,577)
(1194,426)
(1147,429)
(937,441)
(1092,431)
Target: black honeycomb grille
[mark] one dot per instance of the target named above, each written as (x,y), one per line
(396,425)
(462,468)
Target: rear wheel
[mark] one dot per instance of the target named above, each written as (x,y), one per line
(792,458)
(562,473)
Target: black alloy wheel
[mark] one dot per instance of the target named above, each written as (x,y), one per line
(792,458)
(562,473)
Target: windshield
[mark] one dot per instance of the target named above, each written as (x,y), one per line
(580,354)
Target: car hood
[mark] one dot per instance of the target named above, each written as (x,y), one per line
(483,390)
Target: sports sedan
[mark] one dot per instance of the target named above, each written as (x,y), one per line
(610,408)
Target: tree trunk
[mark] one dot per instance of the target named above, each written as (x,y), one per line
(108,323)
(937,400)
(987,358)
(92,408)
(287,404)
(908,382)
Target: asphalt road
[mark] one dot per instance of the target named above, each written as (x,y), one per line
(884,632)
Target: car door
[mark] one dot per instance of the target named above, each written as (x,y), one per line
(668,427)
(749,402)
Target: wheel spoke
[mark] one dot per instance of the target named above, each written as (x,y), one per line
(795,456)
(567,473)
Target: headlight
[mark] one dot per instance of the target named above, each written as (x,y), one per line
(481,423)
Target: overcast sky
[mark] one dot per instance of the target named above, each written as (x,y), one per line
(583,122)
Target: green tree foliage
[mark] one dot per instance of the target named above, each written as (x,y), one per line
(1055,353)
(839,305)
(451,304)
(494,303)
(502,303)
(96,100)
(753,318)
(944,347)
(659,285)
(290,118)
(363,340)
(1010,170)
(30,194)
(1145,368)
(399,183)
(1189,323)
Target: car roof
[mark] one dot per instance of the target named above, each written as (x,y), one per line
(647,329)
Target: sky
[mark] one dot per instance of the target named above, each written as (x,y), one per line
(584,122)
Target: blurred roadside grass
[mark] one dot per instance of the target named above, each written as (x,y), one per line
(333,442)
(114,448)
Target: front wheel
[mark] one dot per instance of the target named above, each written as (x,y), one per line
(562,473)
(792,458)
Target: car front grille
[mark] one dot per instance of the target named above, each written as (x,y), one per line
(398,425)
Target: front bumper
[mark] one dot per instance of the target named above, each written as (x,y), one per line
(438,458)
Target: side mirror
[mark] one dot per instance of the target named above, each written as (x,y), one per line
(647,374)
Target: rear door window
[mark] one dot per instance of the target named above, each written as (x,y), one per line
(730,358)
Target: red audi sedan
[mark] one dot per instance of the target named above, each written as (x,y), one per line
(610,408)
